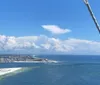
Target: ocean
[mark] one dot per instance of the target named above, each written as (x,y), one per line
(70,70)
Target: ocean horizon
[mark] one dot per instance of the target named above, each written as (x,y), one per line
(70,70)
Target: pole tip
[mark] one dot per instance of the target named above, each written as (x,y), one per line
(86,1)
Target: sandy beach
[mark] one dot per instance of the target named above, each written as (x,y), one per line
(5,71)
(49,61)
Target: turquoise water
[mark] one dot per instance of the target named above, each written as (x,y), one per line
(71,70)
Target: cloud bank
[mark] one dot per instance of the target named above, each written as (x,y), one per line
(55,29)
(46,45)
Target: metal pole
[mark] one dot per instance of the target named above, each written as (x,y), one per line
(92,15)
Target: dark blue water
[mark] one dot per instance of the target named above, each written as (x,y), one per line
(71,70)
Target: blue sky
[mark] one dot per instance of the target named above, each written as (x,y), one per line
(25,18)
(28,16)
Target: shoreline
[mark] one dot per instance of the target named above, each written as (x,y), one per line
(48,61)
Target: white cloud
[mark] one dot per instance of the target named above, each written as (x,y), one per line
(44,44)
(55,29)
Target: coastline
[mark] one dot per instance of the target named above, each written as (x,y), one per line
(48,61)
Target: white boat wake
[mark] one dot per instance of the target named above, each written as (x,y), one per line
(4,72)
